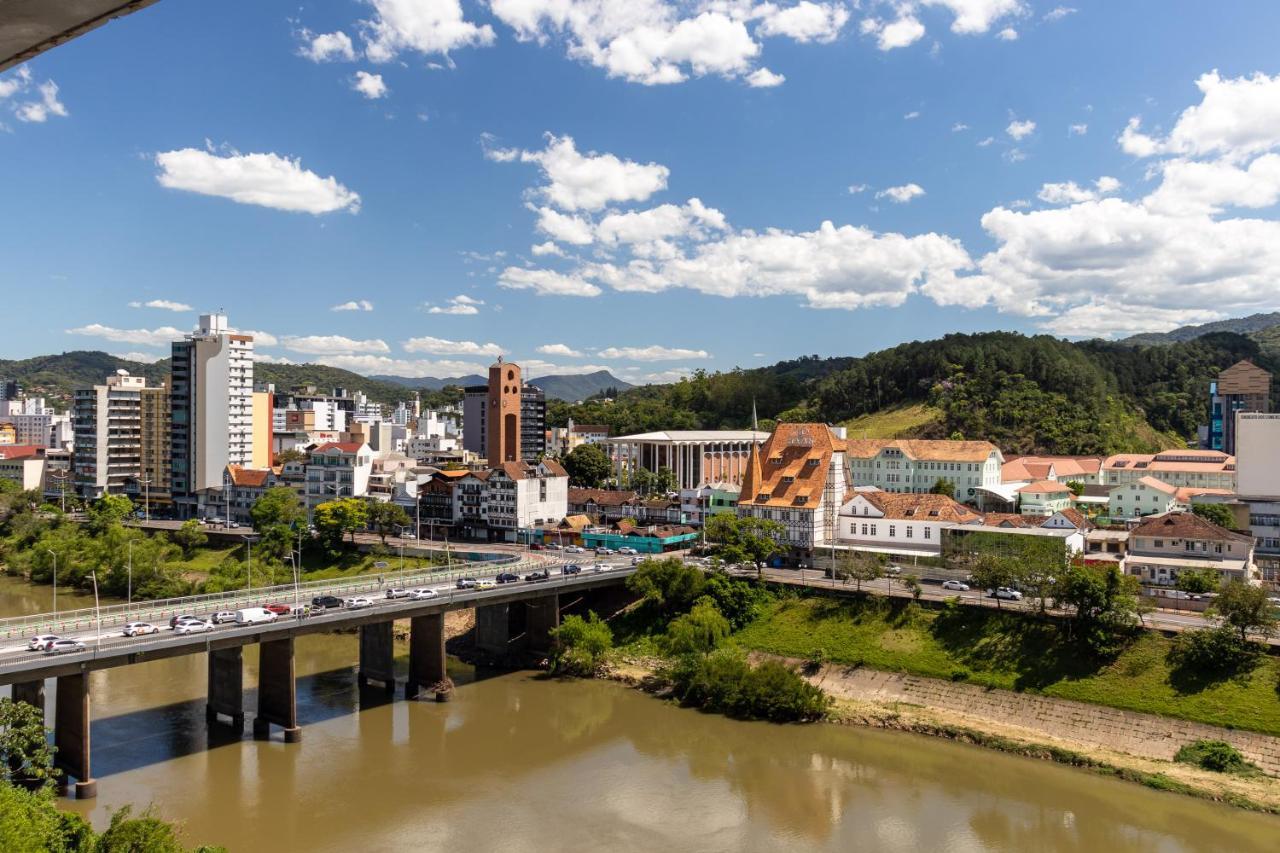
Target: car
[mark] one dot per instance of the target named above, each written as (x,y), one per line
(140,629)
(194,626)
(178,617)
(40,642)
(601,567)
(233,524)
(893,570)
(538,576)
(1006,593)
(397,592)
(255,616)
(960,586)
(63,647)
(300,611)
(570,569)
(326,602)
(605,552)
(279,609)
(222,617)
(408,534)
(574,549)
(466,583)
(554,546)
(422,593)
(507,577)
(628,550)
(357,602)
(635,561)
(486,585)
(537,546)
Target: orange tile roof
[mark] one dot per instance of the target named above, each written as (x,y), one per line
(920,507)
(1185,525)
(929,450)
(1158,485)
(250,477)
(342,446)
(1076,517)
(793,465)
(1046,486)
(1006,519)
(1186,493)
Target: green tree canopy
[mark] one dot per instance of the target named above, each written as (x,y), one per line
(943,486)
(1246,609)
(1219,514)
(699,631)
(587,466)
(25,755)
(581,645)
(276,516)
(190,536)
(1197,581)
(336,519)
(108,510)
(386,517)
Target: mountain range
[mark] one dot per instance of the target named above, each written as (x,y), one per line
(1260,327)
(568,387)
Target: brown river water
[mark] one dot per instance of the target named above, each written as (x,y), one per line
(520,763)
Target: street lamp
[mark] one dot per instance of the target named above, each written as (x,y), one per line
(248,544)
(129,595)
(97,610)
(55,581)
(146,498)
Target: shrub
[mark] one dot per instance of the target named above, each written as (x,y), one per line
(668,584)
(701,630)
(960,674)
(581,645)
(1216,755)
(739,600)
(725,682)
(1212,653)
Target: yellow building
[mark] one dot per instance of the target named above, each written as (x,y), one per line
(261,430)
(153,484)
(8,434)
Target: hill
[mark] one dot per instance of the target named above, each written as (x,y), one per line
(431,383)
(556,386)
(1240,326)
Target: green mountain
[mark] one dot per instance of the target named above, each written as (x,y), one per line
(557,386)
(1254,323)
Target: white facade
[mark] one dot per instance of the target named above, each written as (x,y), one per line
(26,471)
(108,430)
(419,446)
(338,470)
(1134,500)
(864,526)
(527,502)
(895,467)
(1258,454)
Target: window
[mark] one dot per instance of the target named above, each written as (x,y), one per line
(908,531)
(892,530)
(873,530)
(927,533)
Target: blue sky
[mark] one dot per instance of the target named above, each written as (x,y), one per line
(1077,168)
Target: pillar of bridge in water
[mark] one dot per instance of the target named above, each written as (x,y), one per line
(426,653)
(493,628)
(226,686)
(377,655)
(277,691)
(542,615)
(31,692)
(71,733)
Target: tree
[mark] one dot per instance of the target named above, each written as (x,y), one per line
(1076,487)
(993,571)
(744,540)
(108,510)
(293,454)
(335,519)
(1197,581)
(1245,608)
(913,583)
(189,536)
(588,466)
(1105,603)
(1219,514)
(668,584)
(25,755)
(699,631)
(127,834)
(581,645)
(386,517)
(276,515)
(860,566)
(943,486)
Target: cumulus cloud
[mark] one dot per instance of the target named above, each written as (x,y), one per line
(420,26)
(547,282)
(327,47)
(1007,34)
(539,368)
(369,85)
(763,78)
(969,17)
(563,350)
(1057,13)
(164,304)
(958,127)
(1077,130)
(977,16)
(902,194)
(267,180)
(42,107)
(1236,118)
(890,35)
(354,305)
(1019,130)
(17,82)
(265,339)
(653,353)
(328,345)
(855,189)
(577,181)
(440,346)
(547,247)
(147,337)
(803,22)
(1069,192)
(410,368)
(460,305)
(143,357)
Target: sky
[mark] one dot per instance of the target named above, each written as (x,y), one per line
(414,187)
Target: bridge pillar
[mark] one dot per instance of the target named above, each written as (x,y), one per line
(426,653)
(541,616)
(493,628)
(71,733)
(277,696)
(226,686)
(31,692)
(377,655)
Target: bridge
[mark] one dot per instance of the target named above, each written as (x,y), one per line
(510,617)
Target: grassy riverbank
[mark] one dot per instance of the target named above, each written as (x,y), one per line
(1013,652)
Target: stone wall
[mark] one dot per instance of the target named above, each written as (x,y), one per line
(1145,735)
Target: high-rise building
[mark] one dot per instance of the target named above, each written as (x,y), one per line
(107,420)
(1242,387)
(10,389)
(211,396)
(519,410)
(262,456)
(502,439)
(152,486)
(533,424)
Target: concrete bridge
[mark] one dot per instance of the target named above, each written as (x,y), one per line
(510,617)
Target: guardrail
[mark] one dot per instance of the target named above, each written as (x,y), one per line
(114,615)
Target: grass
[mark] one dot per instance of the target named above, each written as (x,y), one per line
(1013,652)
(895,422)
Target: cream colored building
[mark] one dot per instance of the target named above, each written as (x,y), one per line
(1184,467)
(914,465)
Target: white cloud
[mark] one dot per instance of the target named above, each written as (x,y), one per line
(161,336)
(422,26)
(855,189)
(904,31)
(653,353)
(1072,193)
(563,350)
(977,16)
(763,78)
(577,181)
(328,345)
(1107,184)
(914,114)
(18,82)
(536,367)
(265,339)
(958,127)
(546,282)
(1134,141)
(1020,130)
(39,110)
(268,180)
(661,377)
(665,222)
(460,305)
(1058,13)
(1103,318)
(440,346)
(267,358)
(1197,187)
(354,305)
(327,47)
(803,22)
(1236,118)
(546,248)
(1077,129)
(369,85)
(1007,34)
(985,141)
(902,194)
(165,304)
(565,227)
(143,357)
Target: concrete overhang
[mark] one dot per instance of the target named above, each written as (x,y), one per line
(30,27)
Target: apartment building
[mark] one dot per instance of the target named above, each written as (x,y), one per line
(36,424)
(799,479)
(107,422)
(152,488)
(338,469)
(1164,545)
(1184,467)
(1242,387)
(23,464)
(1144,496)
(913,466)
(1258,445)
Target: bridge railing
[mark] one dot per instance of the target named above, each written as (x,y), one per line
(116,615)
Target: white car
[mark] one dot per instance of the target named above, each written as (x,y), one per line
(605,552)
(628,550)
(553,546)
(959,586)
(397,592)
(1007,594)
(192,626)
(63,647)
(574,549)
(140,629)
(357,602)
(601,567)
(421,594)
(40,642)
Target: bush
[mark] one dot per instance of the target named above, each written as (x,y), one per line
(699,631)
(725,682)
(1211,654)
(668,584)
(1216,755)
(581,645)
(739,600)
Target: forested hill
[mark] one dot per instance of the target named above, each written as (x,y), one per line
(1024,393)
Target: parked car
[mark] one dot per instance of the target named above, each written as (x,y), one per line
(422,593)
(605,552)
(507,577)
(63,647)
(222,617)
(537,546)
(179,617)
(601,567)
(195,626)
(140,629)
(538,576)
(357,602)
(574,549)
(40,642)
(300,611)
(1007,593)
(893,570)
(408,534)
(628,550)
(255,616)
(279,609)
(960,586)
(570,569)
(233,524)
(554,546)
(397,592)
(466,583)
(326,602)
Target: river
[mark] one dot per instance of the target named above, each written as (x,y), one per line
(520,763)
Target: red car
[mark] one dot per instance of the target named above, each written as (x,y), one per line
(279,609)
(537,546)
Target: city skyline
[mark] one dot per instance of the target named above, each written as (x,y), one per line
(415,195)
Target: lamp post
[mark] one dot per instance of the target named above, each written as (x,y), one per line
(97,611)
(146,498)
(128,601)
(248,545)
(55,581)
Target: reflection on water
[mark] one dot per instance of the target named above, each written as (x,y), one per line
(519,763)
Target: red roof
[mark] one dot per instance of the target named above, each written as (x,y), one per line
(342,446)
(19,451)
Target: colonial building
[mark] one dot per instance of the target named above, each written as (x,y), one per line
(1208,468)
(798,479)
(338,469)
(913,466)
(695,457)
(900,524)
(1043,497)
(1164,545)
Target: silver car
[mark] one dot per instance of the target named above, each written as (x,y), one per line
(192,626)
(139,629)
(40,642)
(63,647)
